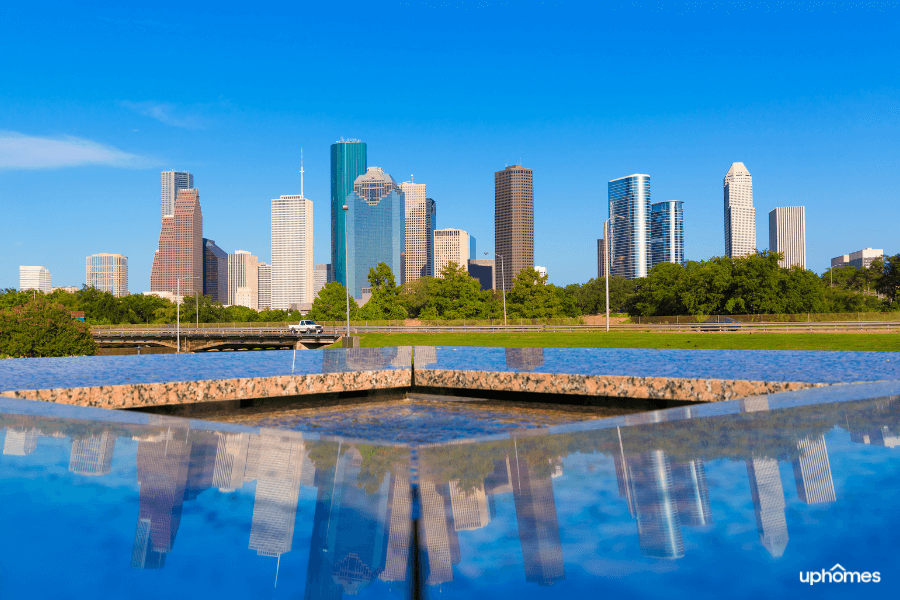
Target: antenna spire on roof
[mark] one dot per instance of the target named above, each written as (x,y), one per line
(301,171)
(412,179)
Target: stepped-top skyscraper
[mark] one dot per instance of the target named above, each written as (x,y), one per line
(740,216)
(169,184)
(292,251)
(180,252)
(513,222)
(348,161)
(376,228)
(629,226)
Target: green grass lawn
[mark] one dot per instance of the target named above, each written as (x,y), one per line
(724,341)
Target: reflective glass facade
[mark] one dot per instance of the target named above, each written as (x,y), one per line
(348,161)
(629,214)
(667,232)
(215,272)
(430,225)
(377,228)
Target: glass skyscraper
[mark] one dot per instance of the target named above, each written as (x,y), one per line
(629,226)
(377,228)
(348,161)
(667,232)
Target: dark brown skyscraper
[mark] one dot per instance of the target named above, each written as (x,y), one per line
(513,222)
(180,252)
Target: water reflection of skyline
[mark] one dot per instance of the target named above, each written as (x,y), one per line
(362,528)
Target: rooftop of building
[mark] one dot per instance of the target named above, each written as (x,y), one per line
(630,176)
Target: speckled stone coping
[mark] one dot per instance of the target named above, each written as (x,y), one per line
(188,392)
(662,388)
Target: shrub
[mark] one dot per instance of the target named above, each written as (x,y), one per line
(42,328)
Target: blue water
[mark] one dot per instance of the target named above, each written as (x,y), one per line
(755,365)
(87,371)
(732,499)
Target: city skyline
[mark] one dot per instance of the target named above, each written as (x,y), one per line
(105,143)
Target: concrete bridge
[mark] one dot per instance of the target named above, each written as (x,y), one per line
(206,339)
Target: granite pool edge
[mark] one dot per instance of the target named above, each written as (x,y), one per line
(139,395)
(616,386)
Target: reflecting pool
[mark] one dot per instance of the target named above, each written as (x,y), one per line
(749,498)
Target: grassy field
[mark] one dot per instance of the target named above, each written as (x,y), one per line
(712,341)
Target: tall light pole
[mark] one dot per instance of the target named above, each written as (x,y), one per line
(503,283)
(178,311)
(346,272)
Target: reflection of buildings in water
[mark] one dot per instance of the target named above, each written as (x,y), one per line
(692,493)
(654,504)
(20,442)
(281,465)
(439,537)
(425,355)
(524,359)
(537,522)
(812,471)
(403,359)
(350,530)
(92,455)
(767,492)
(400,533)
(231,460)
(162,469)
(768,503)
(470,508)
(201,468)
(342,360)
(877,437)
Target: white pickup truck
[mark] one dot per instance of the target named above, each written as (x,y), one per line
(307,327)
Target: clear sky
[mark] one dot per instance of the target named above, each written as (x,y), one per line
(96,100)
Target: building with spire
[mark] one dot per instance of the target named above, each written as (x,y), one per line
(348,161)
(292,251)
(179,256)
(740,216)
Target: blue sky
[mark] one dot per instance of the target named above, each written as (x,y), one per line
(96,100)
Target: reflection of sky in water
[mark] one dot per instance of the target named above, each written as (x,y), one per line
(228,509)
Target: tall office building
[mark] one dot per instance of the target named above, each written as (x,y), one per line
(107,273)
(321,277)
(451,245)
(812,471)
(180,253)
(861,259)
(421,215)
(376,231)
(277,493)
(243,279)
(292,251)
(348,162)
(264,286)
(484,270)
(740,216)
(667,232)
(215,272)
(92,455)
(602,266)
(513,222)
(470,507)
(169,184)
(787,234)
(34,278)
(629,226)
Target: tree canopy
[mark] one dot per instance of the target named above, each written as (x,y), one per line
(41,327)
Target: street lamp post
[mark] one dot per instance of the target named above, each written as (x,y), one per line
(178,310)
(503,283)
(346,272)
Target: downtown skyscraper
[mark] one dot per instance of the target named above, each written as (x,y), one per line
(740,216)
(169,184)
(179,257)
(787,234)
(421,213)
(292,252)
(513,222)
(629,226)
(348,161)
(667,232)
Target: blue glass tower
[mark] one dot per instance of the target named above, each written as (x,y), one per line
(348,161)
(629,226)
(430,226)
(376,228)
(667,232)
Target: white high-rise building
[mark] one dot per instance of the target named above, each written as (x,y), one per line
(34,278)
(451,245)
(292,250)
(243,279)
(169,184)
(740,216)
(107,273)
(264,279)
(420,218)
(321,276)
(787,234)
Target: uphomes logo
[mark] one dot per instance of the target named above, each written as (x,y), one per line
(838,574)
